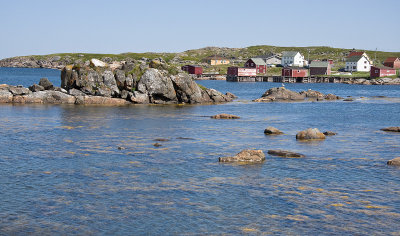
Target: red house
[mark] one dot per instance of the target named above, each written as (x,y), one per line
(294,72)
(193,70)
(381,71)
(320,68)
(257,63)
(393,62)
(239,71)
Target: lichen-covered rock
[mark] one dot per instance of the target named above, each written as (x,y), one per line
(250,156)
(272,131)
(139,98)
(391,129)
(310,134)
(225,116)
(186,89)
(394,162)
(284,153)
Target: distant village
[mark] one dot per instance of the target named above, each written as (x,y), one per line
(297,69)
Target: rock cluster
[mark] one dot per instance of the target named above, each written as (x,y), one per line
(251,156)
(377,81)
(283,94)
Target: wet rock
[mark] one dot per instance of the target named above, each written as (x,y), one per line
(391,129)
(310,134)
(225,116)
(280,94)
(157,145)
(284,153)
(348,99)
(272,131)
(329,133)
(252,156)
(331,97)
(394,162)
(161,140)
(121,148)
(36,88)
(46,84)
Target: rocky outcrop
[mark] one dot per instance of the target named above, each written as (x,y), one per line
(394,162)
(48,96)
(272,131)
(225,116)
(284,153)
(283,94)
(310,134)
(249,156)
(391,129)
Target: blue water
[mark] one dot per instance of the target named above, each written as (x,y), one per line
(28,76)
(62,172)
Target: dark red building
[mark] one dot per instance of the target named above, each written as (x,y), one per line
(258,63)
(393,62)
(239,71)
(381,71)
(294,72)
(193,70)
(320,68)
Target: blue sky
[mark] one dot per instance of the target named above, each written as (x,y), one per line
(49,26)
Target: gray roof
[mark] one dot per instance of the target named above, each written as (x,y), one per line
(319,64)
(354,58)
(268,56)
(258,61)
(289,53)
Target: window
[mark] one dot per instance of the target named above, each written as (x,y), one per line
(365,62)
(354,67)
(365,67)
(376,71)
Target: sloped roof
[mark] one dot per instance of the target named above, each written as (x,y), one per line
(354,58)
(391,59)
(319,64)
(383,67)
(295,68)
(352,54)
(289,54)
(258,61)
(268,56)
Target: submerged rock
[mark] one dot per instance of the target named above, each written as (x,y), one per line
(284,153)
(394,162)
(252,156)
(329,133)
(280,94)
(391,129)
(225,116)
(272,131)
(310,134)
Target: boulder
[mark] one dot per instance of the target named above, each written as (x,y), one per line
(46,84)
(272,131)
(312,94)
(5,96)
(310,134)
(58,89)
(19,90)
(110,83)
(331,97)
(187,91)
(139,98)
(329,133)
(159,88)
(216,96)
(76,92)
(284,153)
(280,94)
(394,162)
(225,116)
(97,63)
(47,96)
(36,88)
(231,95)
(251,156)
(391,129)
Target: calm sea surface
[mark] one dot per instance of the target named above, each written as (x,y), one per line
(61,171)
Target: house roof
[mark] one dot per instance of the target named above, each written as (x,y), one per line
(383,67)
(268,56)
(319,64)
(391,59)
(295,68)
(258,61)
(289,54)
(354,58)
(352,54)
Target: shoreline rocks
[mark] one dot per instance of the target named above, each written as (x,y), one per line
(282,94)
(225,116)
(248,156)
(310,134)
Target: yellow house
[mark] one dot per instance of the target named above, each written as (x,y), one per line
(215,60)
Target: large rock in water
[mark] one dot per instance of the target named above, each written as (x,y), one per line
(225,116)
(310,134)
(394,162)
(272,131)
(252,156)
(391,129)
(280,94)
(284,153)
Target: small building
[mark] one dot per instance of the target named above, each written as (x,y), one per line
(241,71)
(381,71)
(258,63)
(320,68)
(359,53)
(216,60)
(393,62)
(271,59)
(292,58)
(294,72)
(193,70)
(358,63)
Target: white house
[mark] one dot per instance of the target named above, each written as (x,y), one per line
(291,58)
(358,63)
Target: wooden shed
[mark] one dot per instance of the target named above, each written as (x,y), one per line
(381,71)
(320,68)
(294,72)
(258,63)
(393,62)
(240,71)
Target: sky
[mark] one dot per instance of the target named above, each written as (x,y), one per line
(102,26)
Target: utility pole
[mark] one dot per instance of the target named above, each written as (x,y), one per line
(375,54)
